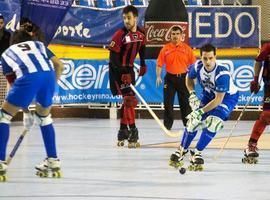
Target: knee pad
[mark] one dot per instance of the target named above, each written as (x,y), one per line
(43,121)
(193,124)
(265,117)
(213,123)
(130,101)
(5,117)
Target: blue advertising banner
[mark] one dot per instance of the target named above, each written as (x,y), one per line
(85,81)
(90,27)
(225,27)
(47,14)
(242,71)
(11,12)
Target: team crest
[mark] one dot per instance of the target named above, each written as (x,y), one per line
(112,44)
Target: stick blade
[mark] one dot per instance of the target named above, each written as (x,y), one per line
(174,134)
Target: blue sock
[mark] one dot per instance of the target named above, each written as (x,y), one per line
(48,135)
(4,135)
(205,138)
(187,138)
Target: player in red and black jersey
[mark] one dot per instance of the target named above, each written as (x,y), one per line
(125,45)
(263,59)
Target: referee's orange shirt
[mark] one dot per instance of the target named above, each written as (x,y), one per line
(176,58)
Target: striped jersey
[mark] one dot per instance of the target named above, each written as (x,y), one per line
(217,80)
(127,44)
(26,58)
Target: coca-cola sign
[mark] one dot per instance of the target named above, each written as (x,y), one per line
(158,32)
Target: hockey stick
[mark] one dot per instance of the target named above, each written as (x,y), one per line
(166,131)
(216,157)
(15,148)
(183,169)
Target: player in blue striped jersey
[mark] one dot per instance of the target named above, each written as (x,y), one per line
(33,70)
(219,97)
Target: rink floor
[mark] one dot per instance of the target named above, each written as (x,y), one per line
(95,168)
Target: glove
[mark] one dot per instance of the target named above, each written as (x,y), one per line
(143,70)
(126,78)
(254,85)
(196,115)
(194,102)
(28,121)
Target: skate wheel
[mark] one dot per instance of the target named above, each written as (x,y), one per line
(3,178)
(250,161)
(42,174)
(172,163)
(137,145)
(57,174)
(131,145)
(199,168)
(244,160)
(175,164)
(120,143)
(255,161)
(191,168)
(134,145)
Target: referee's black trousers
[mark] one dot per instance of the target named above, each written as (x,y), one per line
(175,84)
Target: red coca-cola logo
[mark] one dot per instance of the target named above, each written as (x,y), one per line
(158,33)
(155,34)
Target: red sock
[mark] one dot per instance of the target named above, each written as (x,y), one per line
(130,113)
(257,130)
(124,117)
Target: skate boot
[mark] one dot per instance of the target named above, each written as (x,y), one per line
(133,138)
(176,159)
(3,171)
(123,134)
(196,161)
(49,167)
(250,154)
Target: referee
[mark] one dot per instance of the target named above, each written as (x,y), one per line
(176,56)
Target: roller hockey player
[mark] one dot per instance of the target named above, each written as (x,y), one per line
(219,98)
(251,152)
(125,45)
(32,70)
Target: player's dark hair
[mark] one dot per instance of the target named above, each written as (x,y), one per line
(20,36)
(25,20)
(208,48)
(1,17)
(177,28)
(26,24)
(132,9)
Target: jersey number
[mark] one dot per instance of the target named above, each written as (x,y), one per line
(24,47)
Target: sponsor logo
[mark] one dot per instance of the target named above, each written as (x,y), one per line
(158,33)
(73,31)
(88,76)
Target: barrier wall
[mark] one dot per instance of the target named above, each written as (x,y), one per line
(85,81)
